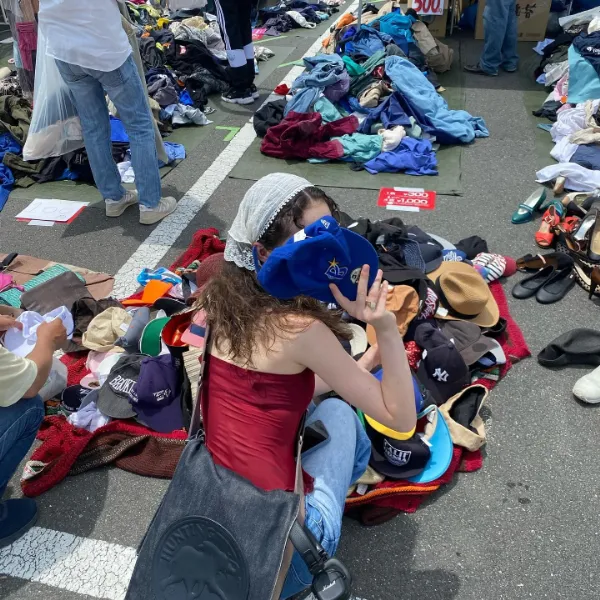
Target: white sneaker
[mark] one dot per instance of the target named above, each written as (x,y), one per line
(149,216)
(587,389)
(115,208)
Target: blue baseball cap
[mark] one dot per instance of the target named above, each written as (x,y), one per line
(320,254)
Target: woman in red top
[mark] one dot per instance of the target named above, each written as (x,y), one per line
(270,357)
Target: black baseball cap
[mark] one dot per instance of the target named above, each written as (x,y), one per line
(113,399)
(431,250)
(442,370)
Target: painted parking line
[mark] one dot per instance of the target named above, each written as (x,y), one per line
(157,244)
(72,563)
(69,562)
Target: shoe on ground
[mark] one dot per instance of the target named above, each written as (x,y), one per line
(115,208)
(149,216)
(254,91)
(510,69)
(478,70)
(244,96)
(587,389)
(17,516)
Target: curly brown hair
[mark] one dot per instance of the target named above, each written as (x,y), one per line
(239,311)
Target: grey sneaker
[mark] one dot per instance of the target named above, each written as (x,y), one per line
(115,208)
(149,216)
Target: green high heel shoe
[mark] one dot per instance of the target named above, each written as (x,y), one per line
(534,203)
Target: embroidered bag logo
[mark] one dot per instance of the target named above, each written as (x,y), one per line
(334,271)
(395,456)
(440,375)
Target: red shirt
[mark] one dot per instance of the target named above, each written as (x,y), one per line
(251,421)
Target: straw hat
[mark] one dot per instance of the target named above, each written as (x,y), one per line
(464,295)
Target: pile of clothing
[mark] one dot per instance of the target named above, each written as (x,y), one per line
(369,99)
(293,14)
(570,65)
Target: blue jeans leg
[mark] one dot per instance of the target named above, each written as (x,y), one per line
(19,424)
(124,87)
(335,465)
(510,57)
(496,17)
(90,102)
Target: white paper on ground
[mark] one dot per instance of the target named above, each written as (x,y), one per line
(405,208)
(41,223)
(43,209)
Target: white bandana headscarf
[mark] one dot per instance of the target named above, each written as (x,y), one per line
(258,210)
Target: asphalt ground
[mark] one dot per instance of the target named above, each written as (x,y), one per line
(524,526)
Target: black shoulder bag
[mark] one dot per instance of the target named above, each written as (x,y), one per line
(216,535)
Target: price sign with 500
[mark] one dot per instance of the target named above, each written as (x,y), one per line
(428,7)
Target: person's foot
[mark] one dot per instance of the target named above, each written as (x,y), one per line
(234,96)
(478,70)
(17,516)
(149,216)
(254,91)
(115,208)
(510,69)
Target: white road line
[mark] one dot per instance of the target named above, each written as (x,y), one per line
(157,244)
(69,562)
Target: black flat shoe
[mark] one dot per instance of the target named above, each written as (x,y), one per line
(557,287)
(529,286)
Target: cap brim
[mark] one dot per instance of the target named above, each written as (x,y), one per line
(151,341)
(484,345)
(165,419)
(441,453)
(112,405)
(359,342)
(381,465)
(446,245)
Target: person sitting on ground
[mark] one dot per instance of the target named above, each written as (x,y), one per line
(93,56)
(499,39)
(269,358)
(21,413)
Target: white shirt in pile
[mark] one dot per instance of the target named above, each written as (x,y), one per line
(87,33)
(16,376)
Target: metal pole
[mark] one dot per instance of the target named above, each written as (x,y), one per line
(359,16)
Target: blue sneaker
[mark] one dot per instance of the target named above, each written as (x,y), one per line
(17,516)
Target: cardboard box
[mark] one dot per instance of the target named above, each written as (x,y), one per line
(532,16)
(437,27)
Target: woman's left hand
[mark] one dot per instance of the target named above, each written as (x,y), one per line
(7,323)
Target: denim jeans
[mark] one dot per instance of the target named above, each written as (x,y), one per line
(500,36)
(124,87)
(335,465)
(19,424)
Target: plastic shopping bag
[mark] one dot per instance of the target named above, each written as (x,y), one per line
(55,127)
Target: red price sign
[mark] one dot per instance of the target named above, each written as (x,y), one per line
(428,7)
(406,199)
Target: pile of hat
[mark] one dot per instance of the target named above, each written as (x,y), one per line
(452,330)
(136,369)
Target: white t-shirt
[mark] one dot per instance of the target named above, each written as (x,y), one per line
(87,33)
(16,376)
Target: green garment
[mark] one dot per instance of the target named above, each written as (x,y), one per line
(360,147)
(15,117)
(362,81)
(328,111)
(354,69)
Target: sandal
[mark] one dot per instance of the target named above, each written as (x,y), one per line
(569,224)
(558,260)
(524,213)
(552,217)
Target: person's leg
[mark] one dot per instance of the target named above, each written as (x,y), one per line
(234,33)
(335,465)
(90,102)
(19,424)
(248,47)
(495,21)
(124,87)
(510,57)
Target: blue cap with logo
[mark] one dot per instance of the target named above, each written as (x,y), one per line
(320,254)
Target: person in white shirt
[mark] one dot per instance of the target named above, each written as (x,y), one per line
(21,413)
(93,56)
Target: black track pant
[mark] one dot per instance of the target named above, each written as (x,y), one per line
(236,29)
